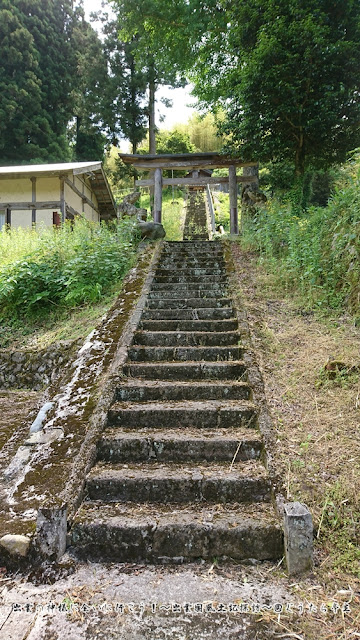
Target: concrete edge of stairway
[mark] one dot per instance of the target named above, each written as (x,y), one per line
(35,520)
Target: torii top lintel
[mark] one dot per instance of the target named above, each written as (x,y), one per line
(183,161)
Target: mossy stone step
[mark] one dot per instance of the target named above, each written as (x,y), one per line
(175,354)
(176,533)
(140,391)
(188,303)
(210,414)
(189,272)
(186,370)
(186,292)
(160,482)
(136,445)
(210,314)
(182,338)
(188,286)
(184,263)
(184,278)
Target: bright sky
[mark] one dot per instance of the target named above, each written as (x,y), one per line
(180,111)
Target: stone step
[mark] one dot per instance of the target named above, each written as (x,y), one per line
(211,414)
(188,325)
(175,354)
(140,391)
(180,244)
(176,533)
(182,338)
(189,253)
(189,286)
(136,445)
(190,234)
(214,482)
(188,303)
(214,272)
(185,278)
(187,370)
(189,314)
(187,263)
(170,294)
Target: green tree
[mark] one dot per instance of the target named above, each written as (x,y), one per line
(20,88)
(285,72)
(140,22)
(35,79)
(297,93)
(203,132)
(127,86)
(94,127)
(174,141)
(51,24)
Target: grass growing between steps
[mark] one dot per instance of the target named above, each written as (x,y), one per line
(311,369)
(173,212)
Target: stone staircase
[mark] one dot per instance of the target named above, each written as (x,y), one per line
(195,227)
(179,473)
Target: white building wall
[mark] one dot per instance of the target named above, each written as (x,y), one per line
(15,190)
(21,218)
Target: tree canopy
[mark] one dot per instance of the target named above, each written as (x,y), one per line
(285,72)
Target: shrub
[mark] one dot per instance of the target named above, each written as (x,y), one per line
(70,266)
(316,252)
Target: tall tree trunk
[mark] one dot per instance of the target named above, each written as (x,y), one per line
(152,127)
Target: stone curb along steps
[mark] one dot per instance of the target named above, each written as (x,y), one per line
(181,469)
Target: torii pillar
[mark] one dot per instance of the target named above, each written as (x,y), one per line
(234,222)
(158,185)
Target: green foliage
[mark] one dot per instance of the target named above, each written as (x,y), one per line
(290,85)
(71,266)
(317,253)
(91,94)
(141,27)
(36,79)
(127,85)
(222,209)
(174,141)
(173,212)
(284,72)
(203,132)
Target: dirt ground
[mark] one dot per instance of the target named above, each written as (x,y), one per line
(310,369)
(316,417)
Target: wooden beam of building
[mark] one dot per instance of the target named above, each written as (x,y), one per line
(33,199)
(18,206)
(81,195)
(194,182)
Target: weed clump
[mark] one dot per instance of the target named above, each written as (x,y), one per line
(315,252)
(47,269)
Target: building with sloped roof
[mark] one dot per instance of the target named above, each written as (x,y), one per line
(49,194)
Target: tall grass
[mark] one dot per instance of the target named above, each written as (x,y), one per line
(316,253)
(46,269)
(172,212)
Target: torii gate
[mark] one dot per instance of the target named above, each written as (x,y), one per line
(190,161)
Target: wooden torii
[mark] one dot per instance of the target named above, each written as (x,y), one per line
(190,161)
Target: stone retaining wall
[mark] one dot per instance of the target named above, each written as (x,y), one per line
(29,369)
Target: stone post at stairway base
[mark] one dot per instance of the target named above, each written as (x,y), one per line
(298,531)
